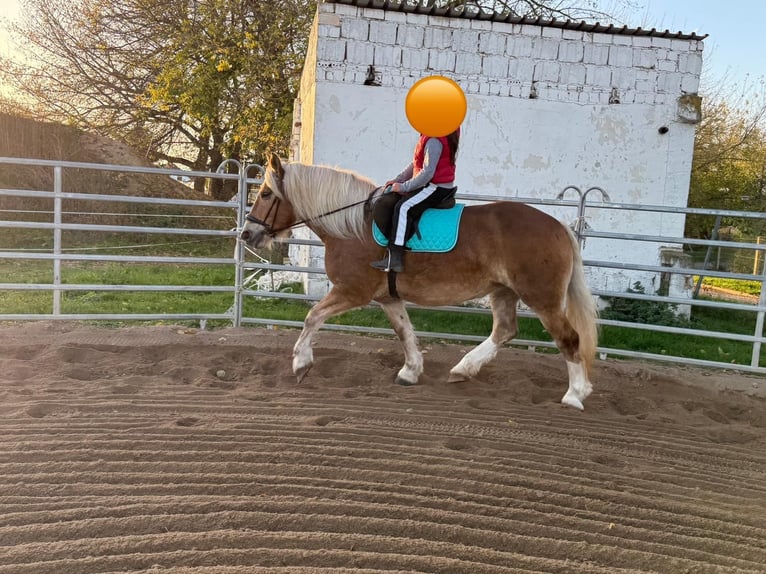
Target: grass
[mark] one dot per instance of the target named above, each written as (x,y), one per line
(33,301)
(691,346)
(738,285)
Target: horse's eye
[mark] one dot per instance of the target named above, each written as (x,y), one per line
(266,193)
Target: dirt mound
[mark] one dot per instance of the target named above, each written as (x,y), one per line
(182,451)
(27,138)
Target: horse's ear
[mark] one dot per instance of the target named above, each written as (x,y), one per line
(276,164)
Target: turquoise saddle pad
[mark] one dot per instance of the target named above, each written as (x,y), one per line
(438,229)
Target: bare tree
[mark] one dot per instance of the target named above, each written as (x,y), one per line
(610,11)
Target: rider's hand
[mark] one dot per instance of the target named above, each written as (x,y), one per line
(396,187)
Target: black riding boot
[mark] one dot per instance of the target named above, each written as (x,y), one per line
(392,261)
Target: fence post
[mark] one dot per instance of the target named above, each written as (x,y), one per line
(580,225)
(239,248)
(714,237)
(577,225)
(755,359)
(583,204)
(57,190)
(241,199)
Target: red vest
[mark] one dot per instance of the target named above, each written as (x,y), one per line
(445,170)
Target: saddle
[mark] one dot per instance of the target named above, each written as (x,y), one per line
(433,228)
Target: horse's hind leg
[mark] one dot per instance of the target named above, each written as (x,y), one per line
(504,328)
(413,359)
(568,342)
(334,303)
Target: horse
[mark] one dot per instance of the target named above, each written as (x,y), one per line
(507,250)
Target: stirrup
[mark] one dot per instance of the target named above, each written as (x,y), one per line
(382,264)
(389,263)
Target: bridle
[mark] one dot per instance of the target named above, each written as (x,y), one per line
(274,207)
(264,223)
(276,204)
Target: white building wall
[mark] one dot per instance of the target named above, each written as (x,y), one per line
(539,114)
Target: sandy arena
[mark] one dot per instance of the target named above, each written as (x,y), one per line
(169,450)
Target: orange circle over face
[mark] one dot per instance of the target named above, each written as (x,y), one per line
(435,106)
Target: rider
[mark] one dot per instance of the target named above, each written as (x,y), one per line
(426,181)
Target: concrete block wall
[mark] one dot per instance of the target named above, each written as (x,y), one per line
(489,57)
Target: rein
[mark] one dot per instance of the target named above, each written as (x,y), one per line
(272,232)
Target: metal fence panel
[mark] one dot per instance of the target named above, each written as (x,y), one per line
(244,263)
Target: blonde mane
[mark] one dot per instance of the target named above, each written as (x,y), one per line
(314,190)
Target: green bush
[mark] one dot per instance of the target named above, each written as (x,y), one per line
(641,311)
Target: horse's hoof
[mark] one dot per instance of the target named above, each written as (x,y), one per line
(572,401)
(456,377)
(405,382)
(302,372)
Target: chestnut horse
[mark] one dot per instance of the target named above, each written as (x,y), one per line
(509,251)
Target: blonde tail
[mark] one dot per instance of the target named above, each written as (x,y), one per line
(581,308)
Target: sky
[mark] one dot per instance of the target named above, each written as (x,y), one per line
(734,48)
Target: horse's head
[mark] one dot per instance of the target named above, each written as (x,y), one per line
(271,215)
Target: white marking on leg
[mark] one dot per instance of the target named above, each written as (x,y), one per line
(303,354)
(413,367)
(474,361)
(413,359)
(579,386)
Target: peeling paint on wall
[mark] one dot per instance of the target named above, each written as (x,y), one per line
(334,102)
(638,174)
(535,162)
(610,128)
(494,181)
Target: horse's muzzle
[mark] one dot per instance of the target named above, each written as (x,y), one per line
(255,236)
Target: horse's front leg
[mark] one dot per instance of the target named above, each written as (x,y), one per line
(413,359)
(335,302)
